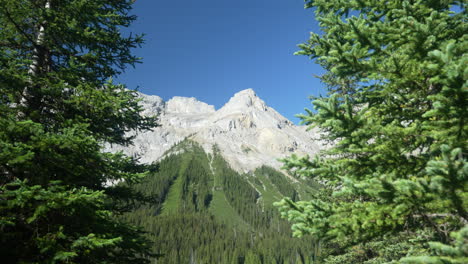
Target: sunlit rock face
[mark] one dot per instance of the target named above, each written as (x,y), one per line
(185,105)
(248,133)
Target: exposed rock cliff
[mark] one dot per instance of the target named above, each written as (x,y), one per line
(248,133)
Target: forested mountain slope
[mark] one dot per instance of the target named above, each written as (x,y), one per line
(206,212)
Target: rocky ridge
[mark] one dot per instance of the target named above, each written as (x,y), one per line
(247,132)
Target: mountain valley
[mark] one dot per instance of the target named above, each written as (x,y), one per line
(216,178)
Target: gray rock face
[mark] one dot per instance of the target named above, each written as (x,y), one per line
(185,105)
(248,133)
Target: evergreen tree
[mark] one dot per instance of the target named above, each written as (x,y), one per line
(396,120)
(58,107)
(456,253)
(252,258)
(234,227)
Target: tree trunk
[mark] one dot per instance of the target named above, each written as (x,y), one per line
(39,60)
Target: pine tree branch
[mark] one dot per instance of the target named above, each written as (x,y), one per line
(26,35)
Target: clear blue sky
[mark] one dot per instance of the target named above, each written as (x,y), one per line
(211,49)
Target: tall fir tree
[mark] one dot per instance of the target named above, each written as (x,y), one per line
(394,176)
(58,107)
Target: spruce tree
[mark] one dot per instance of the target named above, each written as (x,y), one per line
(59,201)
(395,119)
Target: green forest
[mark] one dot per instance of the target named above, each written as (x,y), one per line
(205,212)
(391,186)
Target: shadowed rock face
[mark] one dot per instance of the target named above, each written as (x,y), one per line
(248,133)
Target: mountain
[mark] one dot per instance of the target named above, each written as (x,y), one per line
(248,133)
(214,181)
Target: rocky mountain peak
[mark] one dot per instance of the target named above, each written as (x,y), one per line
(246,93)
(243,100)
(152,104)
(188,105)
(248,133)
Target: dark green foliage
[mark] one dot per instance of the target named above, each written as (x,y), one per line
(395,116)
(456,253)
(59,218)
(239,193)
(58,107)
(196,189)
(185,229)
(284,185)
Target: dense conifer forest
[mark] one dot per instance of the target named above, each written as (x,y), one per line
(205,212)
